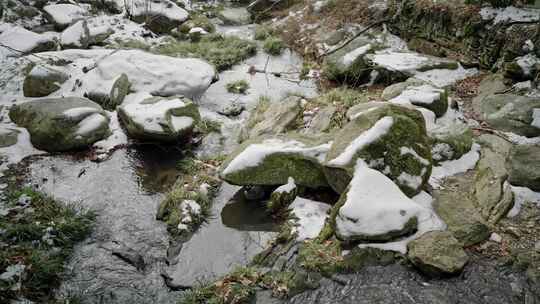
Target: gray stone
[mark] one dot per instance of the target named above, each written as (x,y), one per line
(8,137)
(43,80)
(524,166)
(322,121)
(278,118)
(235,16)
(450,142)
(437,253)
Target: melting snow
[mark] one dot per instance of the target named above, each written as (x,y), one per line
(523,195)
(311,216)
(288,187)
(424,94)
(453,167)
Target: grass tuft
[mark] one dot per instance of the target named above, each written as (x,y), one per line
(273,46)
(238,87)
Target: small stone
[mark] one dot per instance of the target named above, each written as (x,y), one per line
(494,237)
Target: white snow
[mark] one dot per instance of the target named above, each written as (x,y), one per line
(510,13)
(374,205)
(407,150)
(74,35)
(179,123)
(152,116)
(311,216)
(20,39)
(400,61)
(287,188)
(427,221)
(117,137)
(164,8)
(424,94)
(254,154)
(444,77)
(453,167)
(91,123)
(350,57)
(527,62)
(65,14)
(378,130)
(521,196)
(412,181)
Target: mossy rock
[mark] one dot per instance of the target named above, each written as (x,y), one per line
(437,253)
(524,166)
(8,137)
(347,65)
(385,153)
(42,81)
(450,142)
(111,97)
(275,167)
(62,124)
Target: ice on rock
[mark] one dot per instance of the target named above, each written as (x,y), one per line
(310,217)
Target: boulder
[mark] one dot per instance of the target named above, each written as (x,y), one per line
(348,64)
(450,142)
(389,138)
(62,124)
(235,16)
(374,209)
(322,121)
(277,118)
(454,204)
(437,253)
(99,34)
(110,94)
(25,41)
(511,113)
(426,96)
(8,137)
(271,161)
(394,90)
(524,166)
(76,36)
(43,80)
(494,198)
(159,119)
(63,15)
(160,16)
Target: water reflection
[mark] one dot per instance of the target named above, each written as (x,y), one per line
(241,214)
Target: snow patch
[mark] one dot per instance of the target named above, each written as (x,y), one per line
(453,167)
(288,187)
(523,195)
(65,14)
(311,216)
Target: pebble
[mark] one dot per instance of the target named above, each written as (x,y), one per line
(494,237)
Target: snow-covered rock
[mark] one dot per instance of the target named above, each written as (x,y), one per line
(76,36)
(43,80)
(21,41)
(282,196)
(159,119)
(62,124)
(63,15)
(425,96)
(110,94)
(406,64)
(160,16)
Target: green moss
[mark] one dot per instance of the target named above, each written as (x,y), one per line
(273,45)
(207,126)
(41,240)
(222,52)
(323,257)
(238,87)
(257,114)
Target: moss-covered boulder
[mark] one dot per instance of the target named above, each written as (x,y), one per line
(373,209)
(494,198)
(511,113)
(524,166)
(450,142)
(62,124)
(347,64)
(271,161)
(162,119)
(454,204)
(437,253)
(389,138)
(43,80)
(110,94)
(8,137)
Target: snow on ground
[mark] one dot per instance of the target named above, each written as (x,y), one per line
(310,218)
(452,167)
(254,154)
(510,14)
(521,196)
(378,130)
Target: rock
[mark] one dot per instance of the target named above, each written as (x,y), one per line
(63,15)
(522,68)
(450,142)
(373,208)
(177,76)
(278,118)
(99,34)
(454,203)
(426,96)
(322,121)
(160,16)
(76,36)
(25,41)
(235,16)
(43,80)
(62,124)
(348,64)
(283,196)
(111,94)
(232,110)
(391,139)
(437,253)
(272,161)
(511,113)
(494,197)
(8,137)
(396,89)
(524,166)
(159,119)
